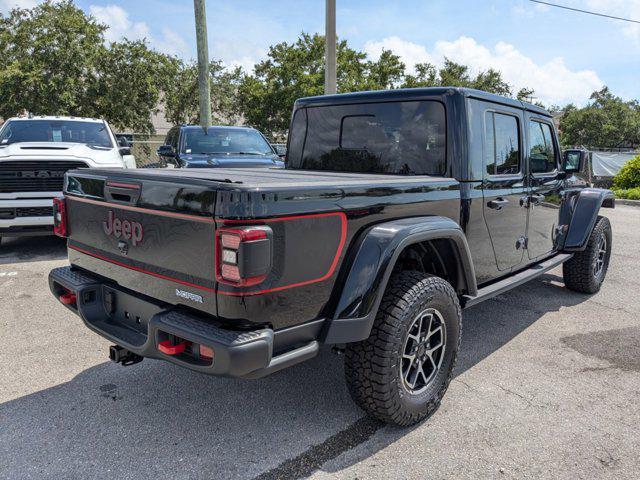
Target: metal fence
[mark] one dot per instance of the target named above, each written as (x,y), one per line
(144,147)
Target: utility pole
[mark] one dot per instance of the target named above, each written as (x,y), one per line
(330,86)
(204,88)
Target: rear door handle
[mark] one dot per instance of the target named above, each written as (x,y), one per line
(497,204)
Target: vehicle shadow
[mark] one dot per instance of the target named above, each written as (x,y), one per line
(32,249)
(157,420)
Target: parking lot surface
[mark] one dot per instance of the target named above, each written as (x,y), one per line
(547,386)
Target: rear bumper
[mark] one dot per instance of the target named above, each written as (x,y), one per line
(140,324)
(25,216)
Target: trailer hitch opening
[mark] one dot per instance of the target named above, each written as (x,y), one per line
(118,354)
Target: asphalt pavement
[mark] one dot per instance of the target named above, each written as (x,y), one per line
(547,386)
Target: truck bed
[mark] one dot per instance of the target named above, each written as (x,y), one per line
(173,217)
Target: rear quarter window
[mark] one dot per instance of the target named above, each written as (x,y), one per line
(395,138)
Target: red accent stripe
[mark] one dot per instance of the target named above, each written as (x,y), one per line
(141,270)
(132,186)
(334,263)
(144,210)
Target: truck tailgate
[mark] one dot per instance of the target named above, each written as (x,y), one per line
(151,236)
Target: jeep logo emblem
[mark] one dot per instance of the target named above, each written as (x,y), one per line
(124,229)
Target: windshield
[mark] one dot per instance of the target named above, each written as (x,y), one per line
(226,141)
(90,133)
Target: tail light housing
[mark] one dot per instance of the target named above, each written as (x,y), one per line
(60,227)
(243,255)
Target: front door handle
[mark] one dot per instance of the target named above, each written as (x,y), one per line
(497,204)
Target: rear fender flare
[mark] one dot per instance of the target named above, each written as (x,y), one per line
(377,251)
(585,208)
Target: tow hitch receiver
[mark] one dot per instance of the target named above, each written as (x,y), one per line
(121,355)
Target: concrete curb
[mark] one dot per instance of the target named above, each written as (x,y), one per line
(623,201)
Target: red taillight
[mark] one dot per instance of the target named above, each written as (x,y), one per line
(243,255)
(60,217)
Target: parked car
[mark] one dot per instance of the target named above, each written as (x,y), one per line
(190,146)
(396,210)
(35,153)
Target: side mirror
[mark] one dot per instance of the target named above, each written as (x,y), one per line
(281,150)
(123,142)
(124,151)
(166,151)
(573,160)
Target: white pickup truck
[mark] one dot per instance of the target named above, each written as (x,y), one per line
(35,153)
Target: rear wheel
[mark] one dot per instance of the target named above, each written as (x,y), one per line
(586,270)
(400,373)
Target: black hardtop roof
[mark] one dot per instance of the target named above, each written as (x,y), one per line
(415,94)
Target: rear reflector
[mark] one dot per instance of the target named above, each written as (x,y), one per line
(60,217)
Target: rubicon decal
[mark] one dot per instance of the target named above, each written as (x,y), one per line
(122,228)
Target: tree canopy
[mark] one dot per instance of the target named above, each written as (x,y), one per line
(606,121)
(453,74)
(181,95)
(56,62)
(294,70)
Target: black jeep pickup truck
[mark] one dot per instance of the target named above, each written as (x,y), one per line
(396,210)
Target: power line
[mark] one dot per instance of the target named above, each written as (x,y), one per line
(585,11)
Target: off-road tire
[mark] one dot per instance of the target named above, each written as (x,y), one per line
(579,272)
(373,366)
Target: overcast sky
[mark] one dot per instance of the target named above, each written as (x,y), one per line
(563,55)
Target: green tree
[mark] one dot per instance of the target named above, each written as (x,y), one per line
(55,62)
(606,121)
(48,56)
(129,82)
(453,74)
(386,73)
(181,95)
(296,70)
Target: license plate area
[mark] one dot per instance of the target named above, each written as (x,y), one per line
(128,311)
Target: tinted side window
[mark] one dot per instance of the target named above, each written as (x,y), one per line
(502,142)
(542,155)
(395,137)
(297,135)
(168,140)
(174,138)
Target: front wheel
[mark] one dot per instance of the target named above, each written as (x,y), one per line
(586,270)
(400,373)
